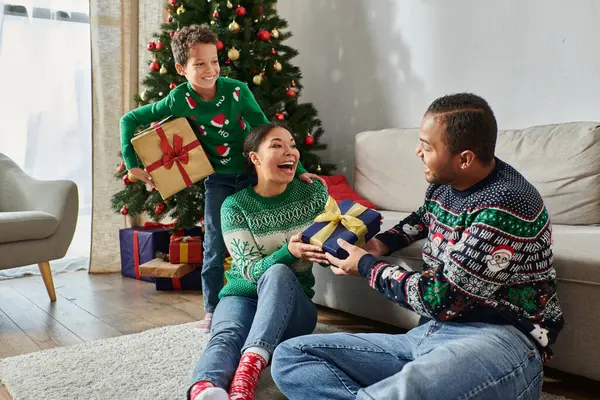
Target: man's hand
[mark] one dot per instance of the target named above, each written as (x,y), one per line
(375,247)
(308,177)
(142,175)
(349,266)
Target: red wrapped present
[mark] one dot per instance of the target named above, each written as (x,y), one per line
(187,249)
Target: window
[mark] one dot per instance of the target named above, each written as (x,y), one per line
(46,110)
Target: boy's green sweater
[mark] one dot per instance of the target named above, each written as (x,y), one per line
(221,124)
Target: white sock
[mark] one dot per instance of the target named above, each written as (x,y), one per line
(213,393)
(260,351)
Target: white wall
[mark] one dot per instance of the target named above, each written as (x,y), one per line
(373,64)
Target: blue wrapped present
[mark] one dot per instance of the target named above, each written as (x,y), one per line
(350,221)
(139,245)
(190,281)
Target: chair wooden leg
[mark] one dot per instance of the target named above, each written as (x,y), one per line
(47,276)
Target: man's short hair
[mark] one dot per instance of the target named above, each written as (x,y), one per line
(469,124)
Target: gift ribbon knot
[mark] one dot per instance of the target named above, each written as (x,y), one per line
(334,216)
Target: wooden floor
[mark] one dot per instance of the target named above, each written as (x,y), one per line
(92,307)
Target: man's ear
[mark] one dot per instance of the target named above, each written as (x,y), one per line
(467,158)
(179,69)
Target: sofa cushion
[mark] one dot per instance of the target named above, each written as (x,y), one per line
(576,253)
(563,162)
(387,171)
(26,225)
(339,188)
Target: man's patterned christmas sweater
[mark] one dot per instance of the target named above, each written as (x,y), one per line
(487,258)
(257,229)
(220,124)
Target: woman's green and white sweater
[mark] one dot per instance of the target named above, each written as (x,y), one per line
(257,230)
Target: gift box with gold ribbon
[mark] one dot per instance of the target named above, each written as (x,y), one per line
(172,155)
(350,221)
(186,249)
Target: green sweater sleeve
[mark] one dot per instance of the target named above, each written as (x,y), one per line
(134,119)
(246,254)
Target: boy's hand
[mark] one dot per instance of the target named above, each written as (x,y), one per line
(308,177)
(142,175)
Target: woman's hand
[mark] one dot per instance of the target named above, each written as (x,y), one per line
(142,175)
(305,251)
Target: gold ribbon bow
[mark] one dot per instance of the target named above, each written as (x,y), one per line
(334,216)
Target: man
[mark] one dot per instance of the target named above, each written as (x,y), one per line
(486,294)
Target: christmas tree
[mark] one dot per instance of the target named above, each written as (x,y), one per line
(251,49)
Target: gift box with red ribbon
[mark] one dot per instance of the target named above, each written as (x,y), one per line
(172,155)
(186,249)
(172,276)
(139,245)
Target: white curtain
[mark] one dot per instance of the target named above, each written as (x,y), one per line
(46,112)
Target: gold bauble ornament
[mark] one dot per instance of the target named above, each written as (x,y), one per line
(319,169)
(163,70)
(275,33)
(144,96)
(132,177)
(229,5)
(234,27)
(180,10)
(277,66)
(257,80)
(233,54)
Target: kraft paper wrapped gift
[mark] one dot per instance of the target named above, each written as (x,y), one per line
(172,155)
(172,276)
(350,221)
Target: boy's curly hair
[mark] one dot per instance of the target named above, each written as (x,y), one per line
(187,37)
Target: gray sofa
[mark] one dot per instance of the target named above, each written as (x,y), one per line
(562,161)
(37,220)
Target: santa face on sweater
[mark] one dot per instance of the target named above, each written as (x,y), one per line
(500,258)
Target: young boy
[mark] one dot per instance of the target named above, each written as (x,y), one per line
(222,112)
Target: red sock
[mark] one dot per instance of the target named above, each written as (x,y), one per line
(198,388)
(246,377)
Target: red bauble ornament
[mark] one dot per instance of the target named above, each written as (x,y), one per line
(173,2)
(220,45)
(126,180)
(154,66)
(215,15)
(121,167)
(159,46)
(280,116)
(273,51)
(159,209)
(309,140)
(151,46)
(172,86)
(240,11)
(291,93)
(293,84)
(264,35)
(227,62)
(124,210)
(170,19)
(171,33)
(260,10)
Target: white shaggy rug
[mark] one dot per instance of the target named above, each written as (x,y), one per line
(155,364)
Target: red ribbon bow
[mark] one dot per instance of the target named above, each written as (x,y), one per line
(177,154)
